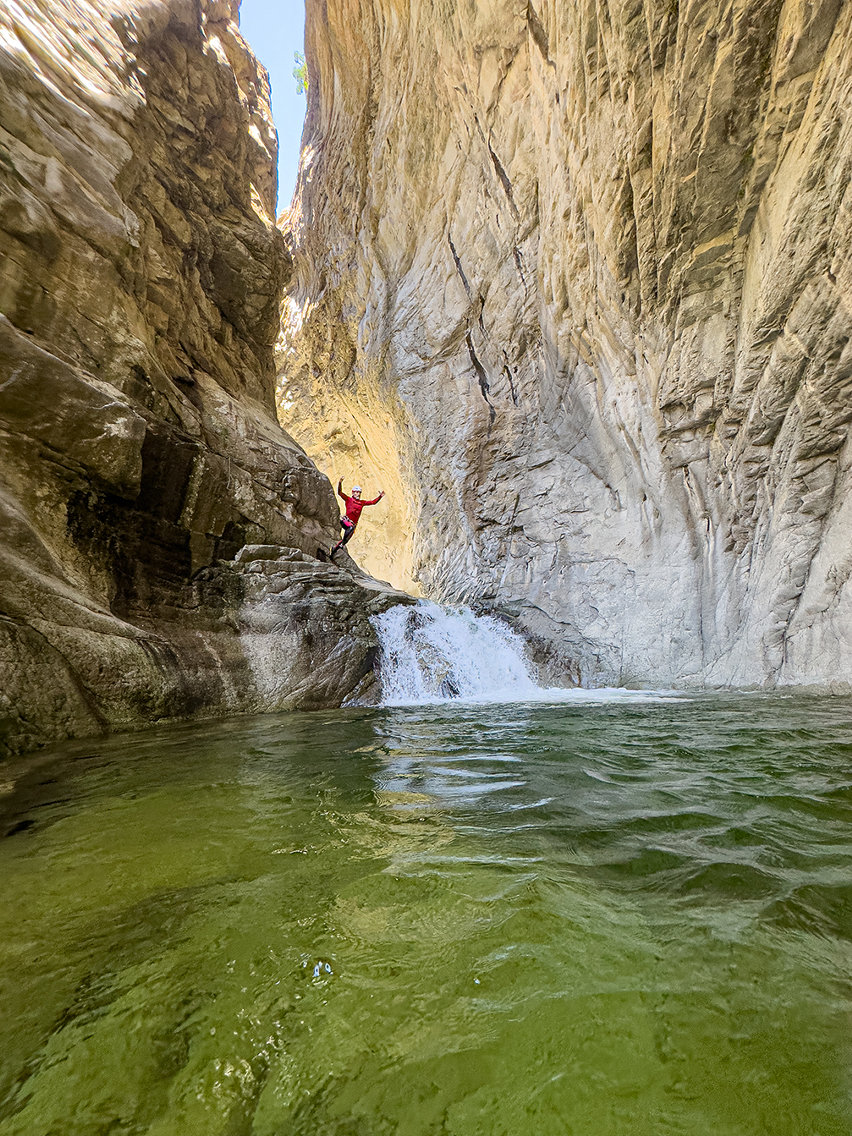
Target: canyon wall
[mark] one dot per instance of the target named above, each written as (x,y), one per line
(572,280)
(159,529)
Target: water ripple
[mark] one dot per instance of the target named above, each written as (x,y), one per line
(622,917)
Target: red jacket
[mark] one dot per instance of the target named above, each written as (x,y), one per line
(354,505)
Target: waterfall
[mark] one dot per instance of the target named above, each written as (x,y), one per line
(431,654)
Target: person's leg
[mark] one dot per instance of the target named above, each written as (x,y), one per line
(348,530)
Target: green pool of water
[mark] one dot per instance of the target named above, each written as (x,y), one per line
(608,920)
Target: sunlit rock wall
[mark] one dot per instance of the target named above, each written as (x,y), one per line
(587,269)
(139,303)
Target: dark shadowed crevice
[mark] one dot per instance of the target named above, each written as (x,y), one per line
(459,268)
(539,35)
(504,181)
(484,385)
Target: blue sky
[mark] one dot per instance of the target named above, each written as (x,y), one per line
(275,29)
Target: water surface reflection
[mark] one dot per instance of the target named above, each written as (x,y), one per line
(602,919)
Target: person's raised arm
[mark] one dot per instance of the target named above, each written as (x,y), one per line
(340,489)
(375,500)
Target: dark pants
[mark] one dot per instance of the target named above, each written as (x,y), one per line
(348,529)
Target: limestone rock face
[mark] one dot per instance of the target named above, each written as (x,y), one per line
(140,292)
(575,279)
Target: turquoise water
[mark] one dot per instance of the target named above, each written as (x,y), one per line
(609,919)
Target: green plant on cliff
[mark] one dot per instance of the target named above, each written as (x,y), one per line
(300,72)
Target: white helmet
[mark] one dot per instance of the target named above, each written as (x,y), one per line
(356,488)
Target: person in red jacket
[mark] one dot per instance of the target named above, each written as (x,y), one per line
(354,505)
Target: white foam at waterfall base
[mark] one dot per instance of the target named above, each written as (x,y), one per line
(431,654)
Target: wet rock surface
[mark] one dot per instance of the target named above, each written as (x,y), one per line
(575,280)
(142,273)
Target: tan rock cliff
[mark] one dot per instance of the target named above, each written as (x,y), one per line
(158,526)
(573,281)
